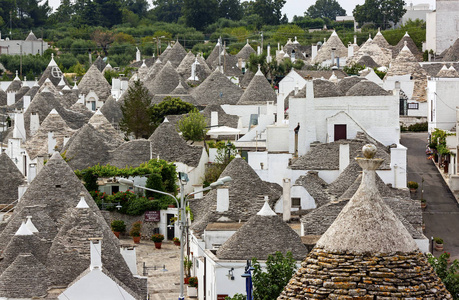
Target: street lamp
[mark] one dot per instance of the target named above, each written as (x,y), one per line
(20,45)
(248,279)
(183,178)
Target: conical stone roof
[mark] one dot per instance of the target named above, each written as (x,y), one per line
(175,55)
(31,37)
(452,54)
(246,79)
(100,123)
(202,70)
(246,197)
(380,40)
(100,64)
(217,89)
(245,52)
(166,80)
(325,52)
(371,49)
(264,234)
(53,73)
(410,44)
(367,88)
(214,54)
(259,91)
(371,244)
(15,85)
(130,154)
(170,146)
(95,81)
(26,277)
(12,178)
(3,98)
(112,111)
(224,119)
(52,123)
(448,72)
(368,62)
(346,83)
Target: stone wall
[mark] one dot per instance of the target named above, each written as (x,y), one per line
(147,227)
(409,120)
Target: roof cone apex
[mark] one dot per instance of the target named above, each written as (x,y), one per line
(30,225)
(23,230)
(334,33)
(366,224)
(82,203)
(266,210)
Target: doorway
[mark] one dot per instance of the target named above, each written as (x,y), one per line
(340,132)
(170,226)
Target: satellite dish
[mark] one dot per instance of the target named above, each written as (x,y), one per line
(56,72)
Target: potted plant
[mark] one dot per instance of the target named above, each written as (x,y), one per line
(118,226)
(157,238)
(192,288)
(438,244)
(135,231)
(413,186)
(187,263)
(423,203)
(176,241)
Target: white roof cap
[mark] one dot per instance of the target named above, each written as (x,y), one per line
(23,230)
(30,225)
(266,210)
(82,203)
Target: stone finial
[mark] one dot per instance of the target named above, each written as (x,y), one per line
(369,151)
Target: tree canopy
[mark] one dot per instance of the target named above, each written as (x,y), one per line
(193,126)
(169,106)
(136,119)
(382,13)
(325,9)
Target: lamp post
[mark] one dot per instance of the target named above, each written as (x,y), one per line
(20,68)
(248,279)
(181,205)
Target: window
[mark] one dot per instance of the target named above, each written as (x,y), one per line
(340,132)
(296,202)
(413,105)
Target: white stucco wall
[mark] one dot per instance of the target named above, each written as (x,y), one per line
(446,24)
(275,165)
(431,33)
(378,115)
(216,237)
(442,101)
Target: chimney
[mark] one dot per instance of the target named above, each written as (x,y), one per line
(397,88)
(66,139)
(268,57)
(129,254)
(51,142)
(81,99)
(26,102)
(198,187)
(222,199)
(10,98)
(19,129)
(343,157)
(287,201)
(355,39)
(350,50)
(137,55)
(21,190)
(32,172)
(34,123)
(258,50)
(309,89)
(313,51)
(96,253)
(280,109)
(213,119)
(333,56)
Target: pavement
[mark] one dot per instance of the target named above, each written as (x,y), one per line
(441,217)
(164,281)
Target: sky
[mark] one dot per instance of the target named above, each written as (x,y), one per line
(298,7)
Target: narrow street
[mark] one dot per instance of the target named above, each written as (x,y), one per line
(441,216)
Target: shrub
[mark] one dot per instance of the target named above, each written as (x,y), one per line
(176,240)
(438,240)
(193,282)
(412,185)
(118,225)
(157,238)
(418,127)
(447,274)
(136,229)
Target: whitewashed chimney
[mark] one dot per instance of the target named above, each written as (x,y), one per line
(350,50)
(309,89)
(313,51)
(222,199)
(213,118)
(32,172)
(96,253)
(34,123)
(258,50)
(66,139)
(287,201)
(21,190)
(280,108)
(51,142)
(81,99)
(129,254)
(344,159)
(19,128)
(198,187)
(26,102)
(10,98)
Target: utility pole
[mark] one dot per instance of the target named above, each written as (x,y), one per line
(11,25)
(262,42)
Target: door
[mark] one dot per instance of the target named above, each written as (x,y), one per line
(340,132)
(170,227)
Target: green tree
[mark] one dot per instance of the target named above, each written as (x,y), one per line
(230,9)
(382,13)
(326,9)
(167,10)
(449,275)
(136,119)
(279,269)
(170,106)
(193,126)
(269,10)
(200,13)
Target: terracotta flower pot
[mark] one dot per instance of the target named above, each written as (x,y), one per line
(117,234)
(438,247)
(136,239)
(177,243)
(158,245)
